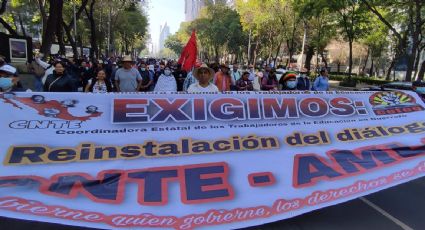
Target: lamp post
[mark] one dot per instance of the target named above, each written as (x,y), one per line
(249,46)
(303,47)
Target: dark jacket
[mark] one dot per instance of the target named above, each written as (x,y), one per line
(85,76)
(242,85)
(55,83)
(303,83)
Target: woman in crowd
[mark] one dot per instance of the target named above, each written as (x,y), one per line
(166,82)
(289,81)
(59,80)
(99,84)
(269,82)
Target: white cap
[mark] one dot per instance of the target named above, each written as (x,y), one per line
(8,69)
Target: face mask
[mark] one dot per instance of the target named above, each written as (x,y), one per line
(143,69)
(167,72)
(87,68)
(5,83)
(291,84)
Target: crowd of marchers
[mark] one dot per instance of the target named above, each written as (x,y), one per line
(125,74)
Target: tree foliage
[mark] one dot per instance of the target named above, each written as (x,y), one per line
(54,20)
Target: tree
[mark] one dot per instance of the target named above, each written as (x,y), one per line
(132,27)
(411,23)
(353,21)
(177,41)
(53,27)
(258,20)
(2,21)
(321,28)
(219,29)
(68,27)
(377,43)
(92,23)
(173,43)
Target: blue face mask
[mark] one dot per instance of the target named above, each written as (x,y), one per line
(5,83)
(291,84)
(142,69)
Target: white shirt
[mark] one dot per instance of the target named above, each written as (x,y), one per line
(48,69)
(256,83)
(196,88)
(166,84)
(235,76)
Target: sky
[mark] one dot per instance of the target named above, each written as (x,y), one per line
(161,11)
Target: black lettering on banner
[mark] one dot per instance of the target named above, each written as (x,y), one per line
(23,154)
(368,159)
(311,168)
(107,189)
(153,185)
(207,183)
(201,183)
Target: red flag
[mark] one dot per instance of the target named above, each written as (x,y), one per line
(189,54)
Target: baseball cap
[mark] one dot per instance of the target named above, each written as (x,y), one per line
(8,69)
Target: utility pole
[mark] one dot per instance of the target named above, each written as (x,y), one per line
(303,47)
(249,46)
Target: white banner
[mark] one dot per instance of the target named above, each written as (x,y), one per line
(185,161)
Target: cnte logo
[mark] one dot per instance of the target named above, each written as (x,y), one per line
(46,124)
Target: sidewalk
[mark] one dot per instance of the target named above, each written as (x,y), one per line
(334,86)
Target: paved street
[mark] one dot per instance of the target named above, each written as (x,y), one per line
(401,207)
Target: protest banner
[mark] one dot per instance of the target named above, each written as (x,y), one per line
(217,161)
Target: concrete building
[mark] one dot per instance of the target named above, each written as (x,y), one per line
(193,7)
(164,34)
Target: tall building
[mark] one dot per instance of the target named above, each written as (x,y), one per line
(193,7)
(164,34)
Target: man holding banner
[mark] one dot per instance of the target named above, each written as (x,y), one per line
(204,75)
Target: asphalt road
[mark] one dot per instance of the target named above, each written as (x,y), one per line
(401,207)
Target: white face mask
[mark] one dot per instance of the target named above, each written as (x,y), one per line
(291,84)
(5,83)
(167,72)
